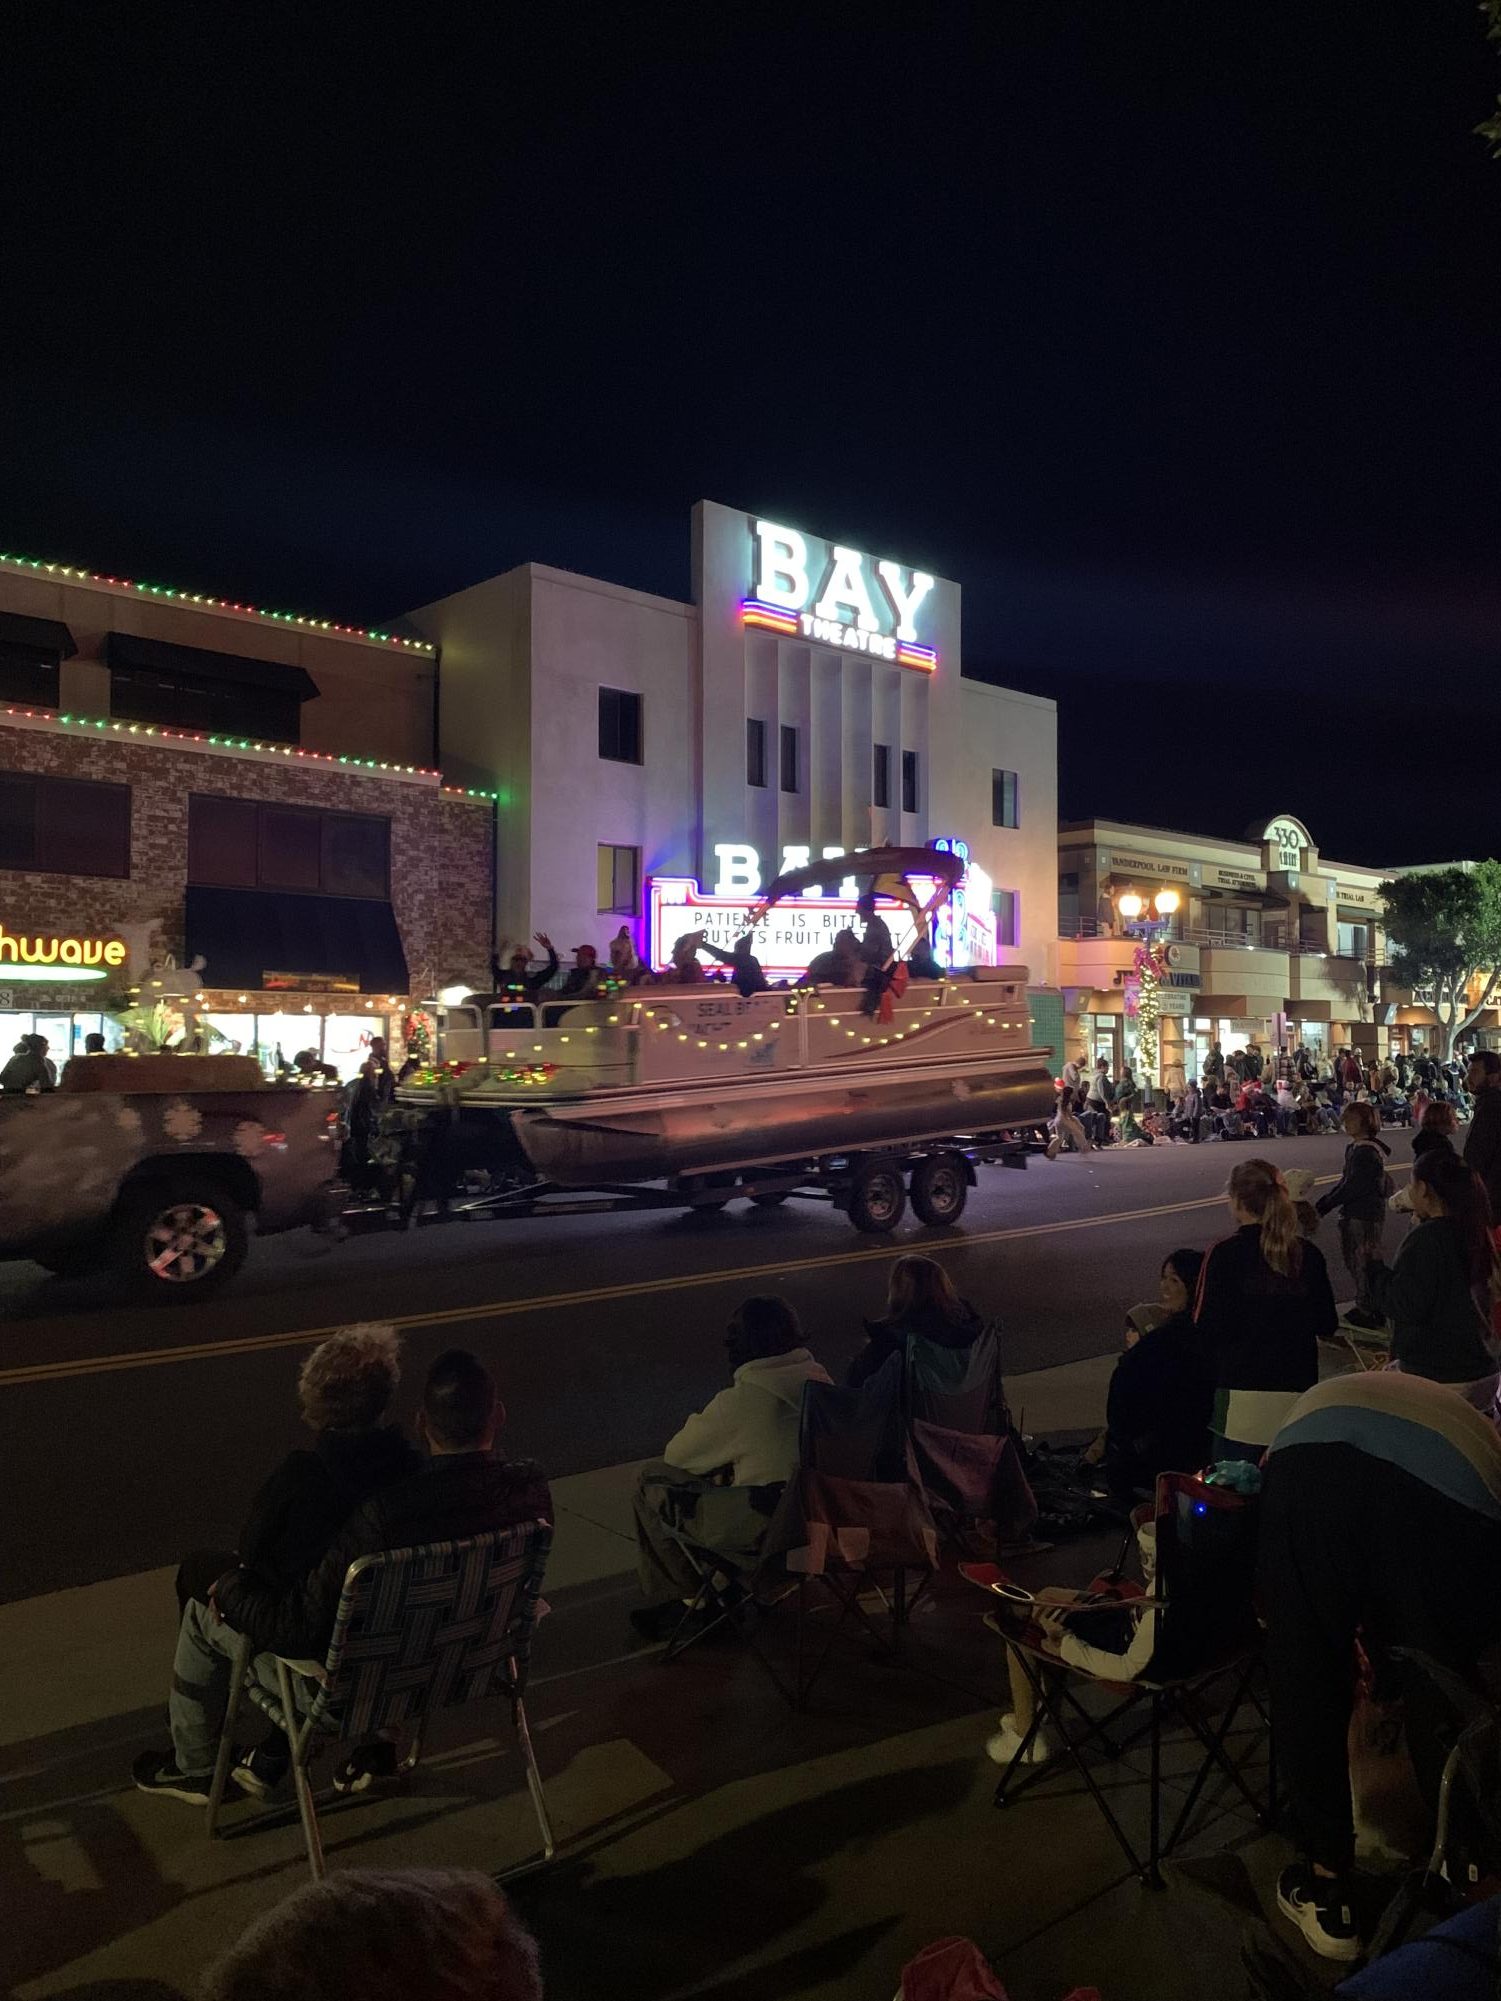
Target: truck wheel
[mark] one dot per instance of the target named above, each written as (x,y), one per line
(940,1188)
(178,1240)
(877,1197)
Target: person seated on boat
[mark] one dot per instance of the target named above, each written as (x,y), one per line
(719,1479)
(746,975)
(840,966)
(519,982)
(583,982)
(921,965)
(683,968)
(625,966)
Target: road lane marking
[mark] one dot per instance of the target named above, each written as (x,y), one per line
(504,1309)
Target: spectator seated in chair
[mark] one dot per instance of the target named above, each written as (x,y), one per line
(1161,1395)
(921,1304)
(745,1440)
(464,1489)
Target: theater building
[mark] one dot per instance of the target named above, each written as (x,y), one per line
(1266,938)
(183,778)
(655,762)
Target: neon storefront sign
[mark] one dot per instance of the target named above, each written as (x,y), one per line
(839,597)
(58,957)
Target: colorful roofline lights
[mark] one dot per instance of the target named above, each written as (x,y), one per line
(67,572)
(162,733)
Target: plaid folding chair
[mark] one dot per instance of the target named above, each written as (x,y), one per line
(417,1630)
(959,1434)
(1205,1632)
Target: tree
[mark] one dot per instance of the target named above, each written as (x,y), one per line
(1443,928)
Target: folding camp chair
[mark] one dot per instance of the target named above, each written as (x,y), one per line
(1204,1632)
(417,1630)
(960,1440)
(722,1545)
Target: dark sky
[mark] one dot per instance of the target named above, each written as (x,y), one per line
(1170,331)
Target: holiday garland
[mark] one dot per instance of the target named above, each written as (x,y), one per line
(1145,1002)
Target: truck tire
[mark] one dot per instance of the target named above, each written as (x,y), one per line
(81,1262)
(940,1188)
(878,1199)
(177,1239)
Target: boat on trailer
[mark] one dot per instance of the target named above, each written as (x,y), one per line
(688,1096)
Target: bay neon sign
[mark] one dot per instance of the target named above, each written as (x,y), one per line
(58,958)
(834,602)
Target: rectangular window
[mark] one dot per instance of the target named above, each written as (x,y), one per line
(64,826)
(204,702)
(1353,940)
(620,726)
(880,777)
(1003,903)
(789,759)
(619,881)
(755,752)
(27,678)
(1004,805)
(909,781)
(253,844)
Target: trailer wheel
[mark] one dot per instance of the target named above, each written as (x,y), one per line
(877,1197)
(178,1239)
(940,1188)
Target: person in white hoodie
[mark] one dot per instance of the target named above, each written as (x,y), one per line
(720,1476)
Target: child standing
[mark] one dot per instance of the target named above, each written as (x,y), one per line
(1360,1196)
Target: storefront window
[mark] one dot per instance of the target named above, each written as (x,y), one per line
(346,1040)
(235,1034)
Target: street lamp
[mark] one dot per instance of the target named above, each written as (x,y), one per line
(1130,905)
(1165,902)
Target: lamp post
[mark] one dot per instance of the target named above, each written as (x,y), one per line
(1139,921)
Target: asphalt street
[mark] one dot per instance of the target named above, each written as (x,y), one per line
(131,1435)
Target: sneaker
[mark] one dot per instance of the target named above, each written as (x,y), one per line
(259,1771)
(1004,1748)
(156,1772)
(365,1764)
(1319,1906)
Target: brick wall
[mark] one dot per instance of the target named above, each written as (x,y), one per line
(440,850)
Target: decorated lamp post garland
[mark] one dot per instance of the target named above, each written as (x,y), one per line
(1145,1002)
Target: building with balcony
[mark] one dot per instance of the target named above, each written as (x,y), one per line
(1266,939)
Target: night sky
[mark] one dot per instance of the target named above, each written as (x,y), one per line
(1170,331)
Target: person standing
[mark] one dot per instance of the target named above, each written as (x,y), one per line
(1483,1142)
(29,1068)
(1263,1301)
(520,983)
(1097,1103)
(1439,1293)
(1360,1195)
(1214,1064)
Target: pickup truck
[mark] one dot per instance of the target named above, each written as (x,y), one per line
(152,1167)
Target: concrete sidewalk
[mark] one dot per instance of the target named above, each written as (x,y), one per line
(713,1843)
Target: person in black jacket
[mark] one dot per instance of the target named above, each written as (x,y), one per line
(1360,1195)
(464,1489)
(920,1302)
(1483,1142)
(1438,1294)
(1264,1299)
(1437,1130)
(1162,1392)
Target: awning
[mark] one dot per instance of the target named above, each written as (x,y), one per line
(1309,1010)
(36,638)
(124,649)
(246,935)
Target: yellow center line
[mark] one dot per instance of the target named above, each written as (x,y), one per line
(503,1309)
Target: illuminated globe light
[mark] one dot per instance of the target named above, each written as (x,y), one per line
(1165,902)
(1129,905)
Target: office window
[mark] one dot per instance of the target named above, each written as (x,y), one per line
(1004,804)
(252,844)
(1003,903)
(909,781)
(619,877)
(64,826)
(187,701)
(1353,940)
(619,726)
(755,752)
(789,758)
(880,777)
(26,678)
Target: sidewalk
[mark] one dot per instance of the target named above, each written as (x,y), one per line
(712,1843)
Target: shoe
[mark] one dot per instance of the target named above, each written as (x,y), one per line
(365,1764)
(1361,1316)
(259,1771)
(156,1772)
(1005,1746)
(1319,1906)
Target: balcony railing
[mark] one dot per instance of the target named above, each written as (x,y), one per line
(1218,941)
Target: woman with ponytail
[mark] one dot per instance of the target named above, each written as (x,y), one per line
(1438,1294)
(1263,1301)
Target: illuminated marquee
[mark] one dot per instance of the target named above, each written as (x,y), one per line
(55,958)
(837,605)
(787,940)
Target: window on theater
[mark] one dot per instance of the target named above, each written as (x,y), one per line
(755,751)
(1004,800)
(880,775)
(909,781)
(790,760)
(254,844)
(619,881)
(620,725)
(64,826)
(1003,903)
(186,701)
